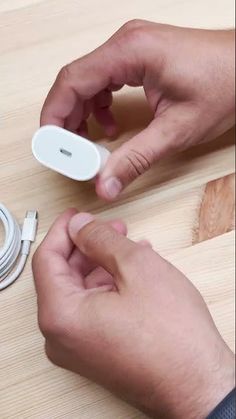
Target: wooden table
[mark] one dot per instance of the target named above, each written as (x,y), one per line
(184,205)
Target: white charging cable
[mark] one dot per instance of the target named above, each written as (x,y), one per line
(16,247)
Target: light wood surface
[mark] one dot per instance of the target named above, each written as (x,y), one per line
(184,205)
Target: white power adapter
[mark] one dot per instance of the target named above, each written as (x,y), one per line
(67,153)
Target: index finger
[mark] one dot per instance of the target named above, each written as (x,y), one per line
(115,63)
(50,263)
(77,82)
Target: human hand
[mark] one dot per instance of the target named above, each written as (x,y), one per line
(188,79)
(114,311)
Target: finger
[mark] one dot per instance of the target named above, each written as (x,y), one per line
(98,278)
(115,87)
(100,242)
(83,129)
(74,119)
(145,243)
(127,163)
(51,270)
(57,238)
(76,81)
(103,99)
(105,118)
(93,73)
(82,264)
(167,133)
(88,107)
(102,112)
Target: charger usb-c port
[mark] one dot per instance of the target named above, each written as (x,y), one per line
(65,152)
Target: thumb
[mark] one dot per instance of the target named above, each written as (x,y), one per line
(164,134)
(100,242)
(131,160)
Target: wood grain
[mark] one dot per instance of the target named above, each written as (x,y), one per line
(184,205)
(217,215)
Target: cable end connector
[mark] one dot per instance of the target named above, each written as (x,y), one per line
(29,228)
(32,214)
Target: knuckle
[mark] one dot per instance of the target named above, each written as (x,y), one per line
(133,29)
(64,74)
(138,163)
(133,24)
(135,264)
(95,234)
(36,257)
(52,354)
(53,326)
(129,259)
(49,352)
(46,325)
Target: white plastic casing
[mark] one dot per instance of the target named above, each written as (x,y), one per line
(67,153)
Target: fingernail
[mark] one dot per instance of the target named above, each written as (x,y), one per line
(78,222)
(113,187)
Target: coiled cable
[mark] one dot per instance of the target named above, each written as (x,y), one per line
(16,247)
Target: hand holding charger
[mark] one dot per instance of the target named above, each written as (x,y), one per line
(67,153)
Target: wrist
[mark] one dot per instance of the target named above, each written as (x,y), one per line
(214,382)
(221,383)
(195,392)
(226,408)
